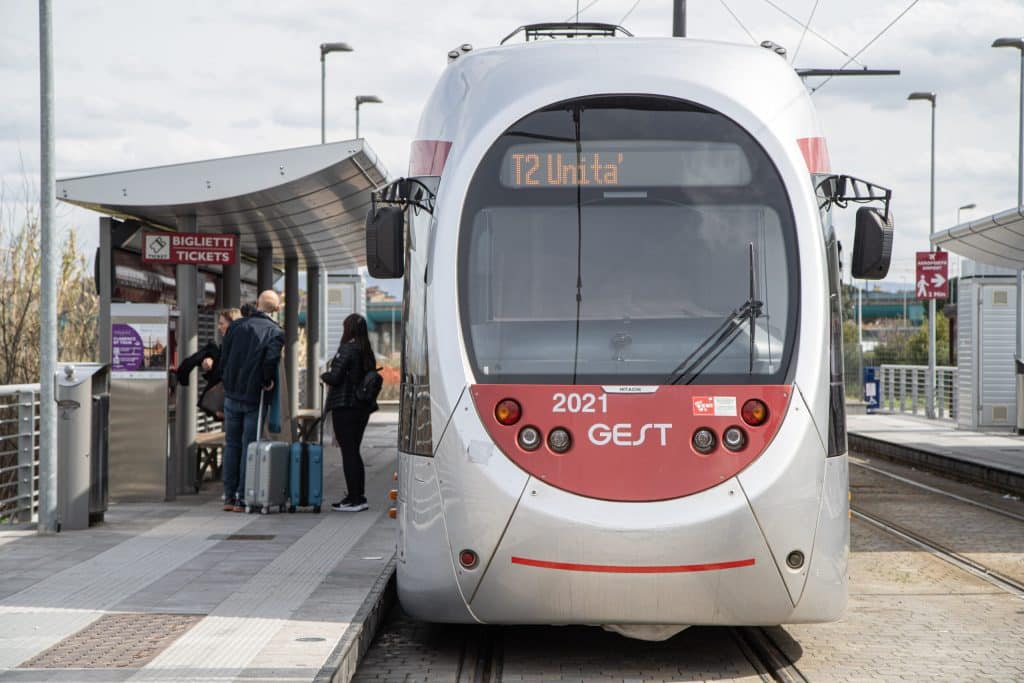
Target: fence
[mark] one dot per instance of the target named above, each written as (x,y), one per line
(19,452)
(903,390)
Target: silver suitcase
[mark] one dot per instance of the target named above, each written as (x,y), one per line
(266,473)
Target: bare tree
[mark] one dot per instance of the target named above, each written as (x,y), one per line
(20,265)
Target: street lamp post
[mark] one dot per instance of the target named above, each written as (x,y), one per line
(930,377)
(1019,44)
(364,99)
(965,206)
(325,48)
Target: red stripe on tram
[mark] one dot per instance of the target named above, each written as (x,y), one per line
(632,569)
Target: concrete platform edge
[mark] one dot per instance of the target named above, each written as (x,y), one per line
(341,664)
(1002,480)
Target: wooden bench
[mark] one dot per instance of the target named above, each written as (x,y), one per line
(208,446)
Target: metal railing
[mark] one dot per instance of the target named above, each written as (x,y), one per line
(903,390)
(19,453)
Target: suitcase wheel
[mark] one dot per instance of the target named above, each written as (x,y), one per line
(291,508)
(316,509)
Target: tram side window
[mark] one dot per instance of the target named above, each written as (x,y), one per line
(414,429)
(837,392)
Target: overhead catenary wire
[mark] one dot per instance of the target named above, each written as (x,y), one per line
(868,44)
(811,31)
(576,16)
(733,14)
(804,33)
(626,15)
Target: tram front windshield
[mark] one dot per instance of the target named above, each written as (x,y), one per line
(604,239)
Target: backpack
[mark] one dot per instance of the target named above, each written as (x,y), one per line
(369,386)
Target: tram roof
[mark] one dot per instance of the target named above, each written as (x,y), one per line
(308,203)
(996,240)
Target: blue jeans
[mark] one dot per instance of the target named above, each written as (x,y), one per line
(240,427)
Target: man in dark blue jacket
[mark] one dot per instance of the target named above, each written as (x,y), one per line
(249,360)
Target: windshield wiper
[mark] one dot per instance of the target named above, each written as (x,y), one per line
(712,347)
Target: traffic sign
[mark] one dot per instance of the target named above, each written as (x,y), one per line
(932,278)
(189,248)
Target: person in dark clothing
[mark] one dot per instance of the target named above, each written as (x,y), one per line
(249,359)
(349,413)
(208,358)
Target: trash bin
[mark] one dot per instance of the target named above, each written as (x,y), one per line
(872,389)
(1020,395)
(81,390)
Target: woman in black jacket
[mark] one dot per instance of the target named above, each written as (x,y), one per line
(349,414)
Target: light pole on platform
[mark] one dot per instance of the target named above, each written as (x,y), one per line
(361,100)
(965,206)
(325,49)
(930,377)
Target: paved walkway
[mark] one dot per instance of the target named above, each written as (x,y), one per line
(995,458)
(185,591)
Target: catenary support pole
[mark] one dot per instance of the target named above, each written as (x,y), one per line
(930,379)
(48,521)
(679,18)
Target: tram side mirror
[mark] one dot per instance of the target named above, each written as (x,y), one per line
(872,245)
(385,250)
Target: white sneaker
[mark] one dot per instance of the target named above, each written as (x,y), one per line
(357,506)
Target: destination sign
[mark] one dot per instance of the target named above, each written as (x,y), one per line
(625,163)
(189,248)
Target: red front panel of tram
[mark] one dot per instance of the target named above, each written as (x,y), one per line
(630,443)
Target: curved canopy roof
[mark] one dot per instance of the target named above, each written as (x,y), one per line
(308,203)
(997,240)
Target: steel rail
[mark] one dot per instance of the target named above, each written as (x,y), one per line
(932,489)
(766,656)
(956,559)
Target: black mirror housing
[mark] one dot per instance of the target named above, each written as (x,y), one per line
(872,244)
(385,248)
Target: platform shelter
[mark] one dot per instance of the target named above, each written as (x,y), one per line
(282,212)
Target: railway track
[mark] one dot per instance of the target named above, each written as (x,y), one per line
(481,656)
(962,561)
(930,545)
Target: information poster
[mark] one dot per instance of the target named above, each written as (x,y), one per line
(139,350)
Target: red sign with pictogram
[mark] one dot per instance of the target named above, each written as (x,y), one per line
(190,248)
(932,278)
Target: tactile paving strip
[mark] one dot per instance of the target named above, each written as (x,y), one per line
(115,641)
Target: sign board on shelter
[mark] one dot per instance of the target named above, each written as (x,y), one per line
(932,277)
(189,248)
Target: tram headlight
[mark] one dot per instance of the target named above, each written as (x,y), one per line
(508,411)
(734,439)
(559,440)
(754,412)
(529,438)
(704,440)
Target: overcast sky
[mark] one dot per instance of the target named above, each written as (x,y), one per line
(143,83)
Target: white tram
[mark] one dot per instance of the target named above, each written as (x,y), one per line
(622,397)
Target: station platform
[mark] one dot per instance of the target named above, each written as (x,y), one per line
(990,458)
(183,591)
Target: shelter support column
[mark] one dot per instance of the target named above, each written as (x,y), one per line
(265,268)
(231,281)
(106,286)
(187,343)
(313,337)
(291,331)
